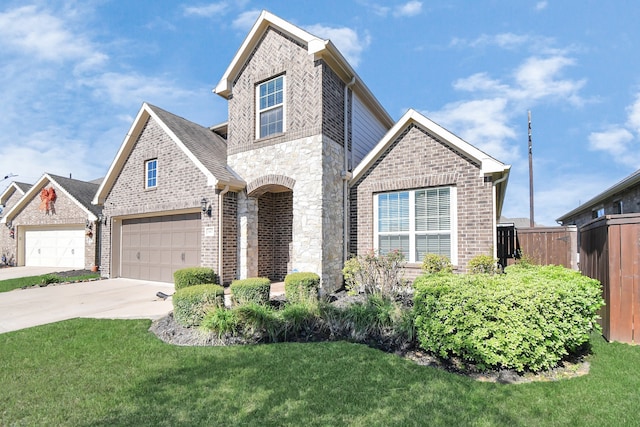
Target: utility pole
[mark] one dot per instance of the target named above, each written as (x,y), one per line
(531,219)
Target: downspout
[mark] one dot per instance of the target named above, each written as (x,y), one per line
(346,175)
(220,235)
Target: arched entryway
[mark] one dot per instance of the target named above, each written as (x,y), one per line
(274,195)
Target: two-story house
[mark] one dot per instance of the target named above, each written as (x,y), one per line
(308,169)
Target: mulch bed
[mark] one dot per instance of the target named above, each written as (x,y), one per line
(171,332)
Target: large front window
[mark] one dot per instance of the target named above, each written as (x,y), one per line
(416,222)
(270,100)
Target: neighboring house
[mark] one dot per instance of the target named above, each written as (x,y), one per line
(621,198)
(290,182)
(8,199)
(52,224)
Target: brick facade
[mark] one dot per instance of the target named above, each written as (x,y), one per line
(417,160)
(181,187)
(65,214)
(9,245)
(628,197)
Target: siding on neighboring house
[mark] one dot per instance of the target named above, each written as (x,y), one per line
(8,245)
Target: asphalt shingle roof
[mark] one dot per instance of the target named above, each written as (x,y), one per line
(82,191)
(208,147)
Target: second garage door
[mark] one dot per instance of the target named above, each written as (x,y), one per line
(54,248)
(153,248)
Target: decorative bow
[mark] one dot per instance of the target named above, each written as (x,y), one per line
(47,197)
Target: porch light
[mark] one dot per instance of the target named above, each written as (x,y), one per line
(203,204)
(9,224)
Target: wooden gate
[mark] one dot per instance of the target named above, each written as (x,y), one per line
(542,245)
(610,253)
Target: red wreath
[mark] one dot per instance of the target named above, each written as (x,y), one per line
(48,196)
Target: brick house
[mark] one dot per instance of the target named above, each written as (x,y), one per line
(8,199)
(621,198)
(51,223)
(291,181)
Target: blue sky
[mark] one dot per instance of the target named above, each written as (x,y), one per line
(73,75)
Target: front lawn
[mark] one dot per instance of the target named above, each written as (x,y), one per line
(21,282)
(108,372)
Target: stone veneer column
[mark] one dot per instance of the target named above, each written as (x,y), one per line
(248,236)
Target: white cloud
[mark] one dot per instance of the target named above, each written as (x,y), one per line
(38,34)
(411,8)
(633,112)
(347,40)
(245,20)
(208,10)
(483,123)
(541,78)
(541,5)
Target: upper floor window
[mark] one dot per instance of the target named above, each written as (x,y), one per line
(416,223)
(597,213)
(151,173)
(270,107)
(617,207)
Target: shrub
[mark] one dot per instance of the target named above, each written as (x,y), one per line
(301,286)
(222,321)
(482,264)
(259,319)
(527,319)
(48,279)
(299,317)
(433,264)
(194,276)
(191,304)
(371,273)
(254,290)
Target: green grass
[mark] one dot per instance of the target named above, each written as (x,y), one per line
(114,372)
(20,282)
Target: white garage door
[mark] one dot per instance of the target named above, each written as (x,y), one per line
(54,248)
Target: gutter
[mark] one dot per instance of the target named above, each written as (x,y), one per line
(346,175)
(220,235)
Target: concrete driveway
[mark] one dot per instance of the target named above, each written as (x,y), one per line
(102,299)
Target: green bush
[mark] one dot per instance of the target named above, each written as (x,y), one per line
(433,264)
(192,276)
(48,279)
(259,319)
(254,290)
(482,264)
(221,321)
(301,286)
(527,319)
(191,304)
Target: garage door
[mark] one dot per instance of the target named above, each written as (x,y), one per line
(153,248)
(54,248)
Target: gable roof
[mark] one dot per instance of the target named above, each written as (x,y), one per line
(489,166)
(20,187)
(81,192)
(319,48)
(206,149)
(629,181)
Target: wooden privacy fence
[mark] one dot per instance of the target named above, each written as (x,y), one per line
(610,253)
(542,245)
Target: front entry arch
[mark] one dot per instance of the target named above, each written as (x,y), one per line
(275,233)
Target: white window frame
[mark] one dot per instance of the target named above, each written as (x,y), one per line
(282,105)
(412,233)
(146,173)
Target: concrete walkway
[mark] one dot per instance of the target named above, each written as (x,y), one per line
(102,299)
(15,272)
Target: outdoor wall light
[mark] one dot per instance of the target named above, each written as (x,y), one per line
(102,219)
(9,224)
(203,204)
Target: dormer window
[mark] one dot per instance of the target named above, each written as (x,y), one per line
(151,173)
(270,107)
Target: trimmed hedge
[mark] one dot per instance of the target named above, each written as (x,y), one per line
(191,304)
(301,286)
(253,290)
(194,276)
(527,319)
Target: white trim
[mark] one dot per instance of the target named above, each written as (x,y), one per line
(453,232)
(146,173)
